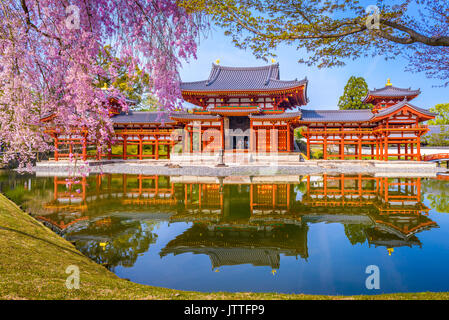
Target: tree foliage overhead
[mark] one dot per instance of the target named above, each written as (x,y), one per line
(333,31)
(355,90)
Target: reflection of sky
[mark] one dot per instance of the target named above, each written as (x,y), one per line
(326,85)
(334,266)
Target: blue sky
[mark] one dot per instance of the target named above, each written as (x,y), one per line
(325,85)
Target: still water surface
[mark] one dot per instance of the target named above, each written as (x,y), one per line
(316,235)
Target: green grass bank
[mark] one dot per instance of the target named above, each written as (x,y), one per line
(33,261)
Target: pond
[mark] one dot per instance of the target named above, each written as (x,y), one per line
(313,235)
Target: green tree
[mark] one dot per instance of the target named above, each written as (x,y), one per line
(355,90)
(437,192)
(440,138)
(442,111)
(132,87)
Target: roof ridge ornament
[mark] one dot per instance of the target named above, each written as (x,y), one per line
(389,84)
(214,73)
(267,80)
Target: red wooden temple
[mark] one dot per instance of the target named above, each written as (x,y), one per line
(251,110)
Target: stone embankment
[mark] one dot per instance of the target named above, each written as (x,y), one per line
(151,167)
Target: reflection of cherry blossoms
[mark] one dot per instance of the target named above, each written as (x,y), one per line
(48,64)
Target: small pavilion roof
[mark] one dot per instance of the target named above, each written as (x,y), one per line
(401,104)
(390,91)
(223,78)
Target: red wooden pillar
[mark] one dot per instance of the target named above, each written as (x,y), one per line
(381,148)
(56,147)
(125,156)
(308,143)
(325,144)
(399,151)
(222,133)
(140,147)
(342,147)
(418,149)
(387,132)
(84,148)
(406,151)
(360,148)
(288,137)
(157,147)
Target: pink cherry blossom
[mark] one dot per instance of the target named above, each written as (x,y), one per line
(48,63)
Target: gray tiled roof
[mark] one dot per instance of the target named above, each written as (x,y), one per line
(234,110)
(399,105)
(242,78)
(274,116)
(336,115)
(142,117)
(192,116)
(391,91)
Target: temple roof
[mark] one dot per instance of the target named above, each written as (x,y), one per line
(214,114)
(401,104)
(336,115)
(182,116)
(390,91)
(142,117)
(242,79)
(234,110)
(276,116)
(362,115)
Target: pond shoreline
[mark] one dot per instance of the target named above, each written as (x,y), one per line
(151,167)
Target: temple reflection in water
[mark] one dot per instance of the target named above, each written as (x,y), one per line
(240,220)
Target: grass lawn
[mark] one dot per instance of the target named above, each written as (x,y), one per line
(33,261)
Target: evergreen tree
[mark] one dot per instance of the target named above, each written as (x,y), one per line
(355,90)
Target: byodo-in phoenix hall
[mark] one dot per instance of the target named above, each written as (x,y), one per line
(251,111)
